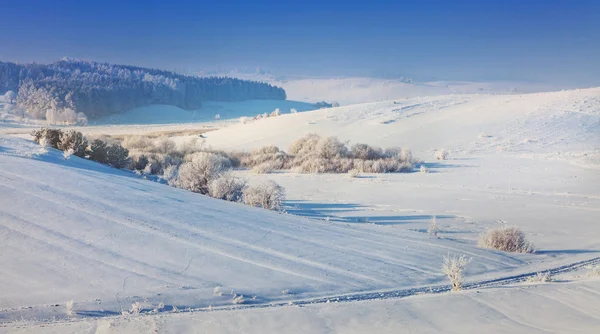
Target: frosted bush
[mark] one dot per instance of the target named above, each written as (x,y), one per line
(540,278)
(199,170)
(366,152)
(238,299)
(136,308)
(275,113)
(52,136)
(293,111)
(164,146)
(305,144)
(138,142)
(265,168)
(594,270)
(441,154)
(70,305)
(268,195)
(331,147)
(227,187)
(217,116)
(353,173)
(506,238)
(244,119)
(433,229)
(453,268)
(43,145)
(423,169)
(67,154)
(169,174)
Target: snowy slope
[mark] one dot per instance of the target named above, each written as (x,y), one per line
(558,124)
(72,229)
(163,114)
(547,308)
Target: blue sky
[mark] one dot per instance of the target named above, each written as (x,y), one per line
(537,40)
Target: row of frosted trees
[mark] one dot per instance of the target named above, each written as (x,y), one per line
(99,89)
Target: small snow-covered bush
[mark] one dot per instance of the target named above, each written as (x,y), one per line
(244,119)
(441,154)
(238,299)
(227,187)
(70,305)
(540,278)
(433,229)
(305,144)
(217,116)
(423,169)
(43,145)
(170,174)
(199,170)
(594,270)
(275,113)
(265,168)
(268,195)
(164,146)
(74,141)
(67,153)
(293,111)
(331,147)
(506,238)
(136,308)
(453,267)
(353,173)
(366,152)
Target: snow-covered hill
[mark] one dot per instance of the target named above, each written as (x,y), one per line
(104,238)
(561,124)
(76,230)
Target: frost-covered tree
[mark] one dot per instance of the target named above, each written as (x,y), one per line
(73,141)
(199,170)
(10,97)
(99,89)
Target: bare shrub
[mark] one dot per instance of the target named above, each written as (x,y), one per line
(268,195)
(199,169)
(506,238)
(453,268)
(441,154)
(74,141)
(227,187)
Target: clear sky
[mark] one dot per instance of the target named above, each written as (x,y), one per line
(539,40)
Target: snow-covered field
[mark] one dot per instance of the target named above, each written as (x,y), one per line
(346,250)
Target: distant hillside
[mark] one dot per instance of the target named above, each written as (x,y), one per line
(67,87)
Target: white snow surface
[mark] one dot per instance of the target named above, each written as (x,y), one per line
(104,238)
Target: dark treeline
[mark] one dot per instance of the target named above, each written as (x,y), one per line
(100,89)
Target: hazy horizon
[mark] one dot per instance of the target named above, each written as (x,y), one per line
(540,41)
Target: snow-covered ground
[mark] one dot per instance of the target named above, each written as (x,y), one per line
(106,238)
